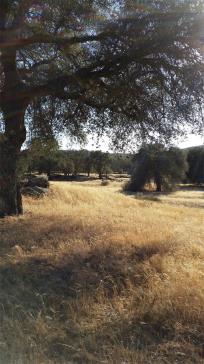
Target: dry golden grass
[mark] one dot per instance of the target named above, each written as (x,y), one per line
(89,275)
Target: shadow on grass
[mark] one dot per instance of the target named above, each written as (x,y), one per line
(76,273)
(156,196)
(146,195)
(44,232)
(79,178)
(199,188)
(45,287)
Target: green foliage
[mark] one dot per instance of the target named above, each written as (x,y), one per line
(104,65)
(96,66)
(101,162)
(121,163)
(43,154)
(64,164)
(88,163)
(23,165)
(195,158)
(155,163)
(78,160)
(42,145)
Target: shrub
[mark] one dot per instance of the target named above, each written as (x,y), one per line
(105,183)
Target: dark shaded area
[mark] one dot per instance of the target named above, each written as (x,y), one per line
(155,196)
(78,178)
(44,286)
(191,188)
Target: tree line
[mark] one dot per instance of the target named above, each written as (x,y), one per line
(163,166)
(44,156)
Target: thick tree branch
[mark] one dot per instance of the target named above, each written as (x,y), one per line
(19,43)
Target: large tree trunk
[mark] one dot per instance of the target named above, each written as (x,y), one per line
(10,197)
(14,102)
(10,145)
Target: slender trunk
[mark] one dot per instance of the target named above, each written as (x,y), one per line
(158,182)
(19,199)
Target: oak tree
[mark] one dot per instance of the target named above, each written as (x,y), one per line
(95,64)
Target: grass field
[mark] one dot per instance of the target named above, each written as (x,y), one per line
(90,275)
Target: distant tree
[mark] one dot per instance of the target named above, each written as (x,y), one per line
(101,162)
(43,154)
(88,163)
(107,170)
(65,164)
(77,157)
(121,163)
(195,157)
(155,163)
(47,164)
(24,164)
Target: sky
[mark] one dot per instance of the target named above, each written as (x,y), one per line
(189,141)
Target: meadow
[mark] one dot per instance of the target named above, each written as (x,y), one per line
(92,275)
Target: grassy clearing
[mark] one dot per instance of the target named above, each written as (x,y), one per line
(89,275)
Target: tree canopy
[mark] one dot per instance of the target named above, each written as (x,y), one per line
(159,165)
(102,62)
(195,158)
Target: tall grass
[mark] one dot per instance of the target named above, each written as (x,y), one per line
(89,275)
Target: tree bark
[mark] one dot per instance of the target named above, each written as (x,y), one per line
(158,182)
(14,102)
(9,191)
(10,145)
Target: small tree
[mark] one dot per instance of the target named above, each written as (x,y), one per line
(43,154)
(65,164)
(165,167)
(88,163)
(196,165)
(101,162)
(24,164)
(121,163)
(77,157)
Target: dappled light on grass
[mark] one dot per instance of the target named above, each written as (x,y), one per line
(89,275)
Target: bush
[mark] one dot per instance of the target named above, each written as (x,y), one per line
(105,183)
